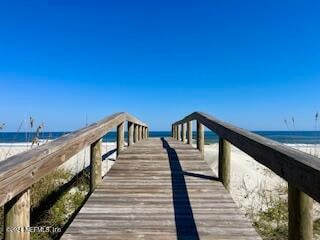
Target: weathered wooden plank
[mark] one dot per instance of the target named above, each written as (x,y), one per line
(175,197)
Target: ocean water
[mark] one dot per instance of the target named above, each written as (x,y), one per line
(300,137)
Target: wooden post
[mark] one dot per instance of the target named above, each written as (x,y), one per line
(300,207)
(120,138)
(174,131)
(184,132)
(139,131)
(130,133)
(189,132)
(17,217)
(144,135)
(224,162)
(200,138)
(172,134)
(95,163)
(147,130)
(178,132)
(136,133)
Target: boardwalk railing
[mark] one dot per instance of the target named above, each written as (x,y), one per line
(300,170)
(20,172)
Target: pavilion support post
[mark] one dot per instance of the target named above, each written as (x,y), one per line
(300,207)
(120,138)
(130,133)
(200,138)
(189,132)
(183,132)
(17,217)
(95,164)
(224,162)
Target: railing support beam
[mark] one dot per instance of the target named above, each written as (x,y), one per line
(17,216)
(200,138)
(224,162)
(95,164)
(189,132)
(300,214)
(120,138)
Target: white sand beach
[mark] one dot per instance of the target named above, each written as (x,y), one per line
(248,177)
(75,164)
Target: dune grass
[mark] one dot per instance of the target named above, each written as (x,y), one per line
(54,214)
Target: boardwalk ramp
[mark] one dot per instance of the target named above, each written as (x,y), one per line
(160,188)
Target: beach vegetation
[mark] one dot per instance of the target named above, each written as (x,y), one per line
(268,209)
(53,203)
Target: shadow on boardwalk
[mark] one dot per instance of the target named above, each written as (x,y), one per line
(185,224)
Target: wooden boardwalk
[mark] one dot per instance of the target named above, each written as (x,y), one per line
(160,189)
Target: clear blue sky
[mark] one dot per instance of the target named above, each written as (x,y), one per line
(251,63)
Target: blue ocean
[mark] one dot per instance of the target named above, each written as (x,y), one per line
(301,137)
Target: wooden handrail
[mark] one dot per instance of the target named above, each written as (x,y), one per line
(301,170)
(18,173)
(298,168)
